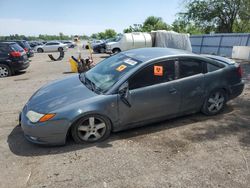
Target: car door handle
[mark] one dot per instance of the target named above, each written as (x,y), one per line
(172,91)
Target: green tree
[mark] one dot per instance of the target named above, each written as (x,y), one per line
(151,23)
(181,26)
(216,15)
(155,23)
(110,33)
(134,28)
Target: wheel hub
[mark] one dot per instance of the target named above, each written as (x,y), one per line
(92,129)
(3,72)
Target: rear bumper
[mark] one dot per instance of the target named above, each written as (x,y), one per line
(236,90)
(21,65)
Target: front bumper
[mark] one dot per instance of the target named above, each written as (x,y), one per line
(52,132)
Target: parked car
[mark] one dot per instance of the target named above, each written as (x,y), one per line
(130,89)
(52,46)
(69,44)
(33,44)
(25,45)
(129,41)
(93,43)
(13,58)
(101,48)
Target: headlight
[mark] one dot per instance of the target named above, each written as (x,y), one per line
(37,117)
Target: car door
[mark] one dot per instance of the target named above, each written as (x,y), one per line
(191,84)
(4,52)
(47,47)
(55,46)
(153,93)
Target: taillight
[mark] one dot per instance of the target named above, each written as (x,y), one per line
(26,49)
(15,54)
(240,71)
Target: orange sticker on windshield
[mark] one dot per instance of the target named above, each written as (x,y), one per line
(158,70)
(121,68)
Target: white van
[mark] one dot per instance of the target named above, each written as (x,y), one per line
(129,41)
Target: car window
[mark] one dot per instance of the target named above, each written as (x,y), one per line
(16,47)
(211,67)
(51,43)
(189,67)
(153,74)
(3,48)
(106,73)
(26,44)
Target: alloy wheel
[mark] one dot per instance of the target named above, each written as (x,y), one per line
(4,72)
(91,129)
(216,102)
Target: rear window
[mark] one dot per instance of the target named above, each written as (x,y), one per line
(211,67)
(16,47)
(26,44)
(189,67)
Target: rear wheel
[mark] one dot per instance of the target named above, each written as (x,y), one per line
(215,102)
(4,71)
(40,50)
(91,128)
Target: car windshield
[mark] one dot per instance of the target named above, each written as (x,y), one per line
(105,74)
(118,38)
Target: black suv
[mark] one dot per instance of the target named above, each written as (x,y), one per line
(25,45)
(12,58)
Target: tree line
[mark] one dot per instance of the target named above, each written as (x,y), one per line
(197,17)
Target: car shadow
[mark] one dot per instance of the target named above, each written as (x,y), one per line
(20,146)
(236,124)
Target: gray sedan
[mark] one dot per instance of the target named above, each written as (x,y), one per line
(130,89)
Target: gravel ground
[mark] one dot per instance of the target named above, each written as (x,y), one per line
(190,151)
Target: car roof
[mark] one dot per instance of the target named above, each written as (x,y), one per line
(220,59)
(147,54)
(7,42)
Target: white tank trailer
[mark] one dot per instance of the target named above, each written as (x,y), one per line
(167,39)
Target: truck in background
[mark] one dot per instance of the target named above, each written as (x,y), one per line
(161,38)
(129,41)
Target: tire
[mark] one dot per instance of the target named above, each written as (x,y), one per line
(116,50)
(85,129)
(4,71)
(40,50)
(60,49)
(215,102)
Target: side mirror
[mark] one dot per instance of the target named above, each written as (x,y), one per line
(124,93)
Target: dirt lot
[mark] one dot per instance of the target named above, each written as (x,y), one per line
(191,151)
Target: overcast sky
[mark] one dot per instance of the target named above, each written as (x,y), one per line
(30,17)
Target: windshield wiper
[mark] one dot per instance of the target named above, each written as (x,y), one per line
(91,85)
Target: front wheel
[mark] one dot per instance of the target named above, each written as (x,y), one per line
(214,103)
(91,128)
(116,50)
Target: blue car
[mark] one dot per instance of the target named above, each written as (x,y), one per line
(130,89)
